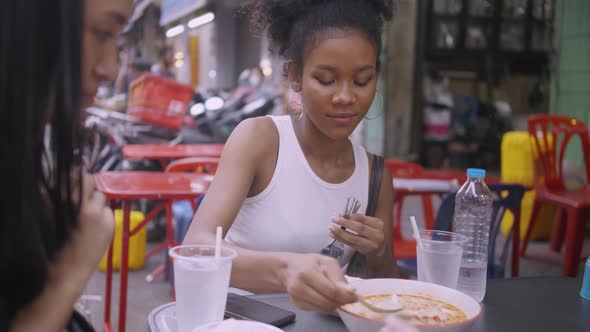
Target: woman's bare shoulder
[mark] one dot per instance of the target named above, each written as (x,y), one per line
(253,139)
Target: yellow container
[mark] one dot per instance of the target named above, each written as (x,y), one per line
(517,167)
(137,243)
(517,159)
(544,220)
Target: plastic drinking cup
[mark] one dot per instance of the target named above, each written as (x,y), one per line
(201,283)
(440,258)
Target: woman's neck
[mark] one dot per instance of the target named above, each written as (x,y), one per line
(317,145)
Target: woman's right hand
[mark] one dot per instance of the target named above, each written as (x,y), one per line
(316,283)
(96,226)
(75,263)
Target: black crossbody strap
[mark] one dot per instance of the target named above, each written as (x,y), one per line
(375,185)
(358,263)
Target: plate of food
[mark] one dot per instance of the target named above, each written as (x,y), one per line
(429,307)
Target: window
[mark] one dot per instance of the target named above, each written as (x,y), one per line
(510,30)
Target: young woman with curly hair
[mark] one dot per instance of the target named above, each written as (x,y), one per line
(282,181)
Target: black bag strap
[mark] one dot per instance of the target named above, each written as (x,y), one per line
(78,323)
(375,185)
(358,263)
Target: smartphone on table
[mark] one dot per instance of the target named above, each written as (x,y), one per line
(243,307)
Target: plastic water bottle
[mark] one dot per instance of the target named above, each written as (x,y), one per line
(473,211)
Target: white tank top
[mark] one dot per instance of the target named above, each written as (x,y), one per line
(293,213)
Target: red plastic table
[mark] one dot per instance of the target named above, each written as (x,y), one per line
(129,186)
(164,153)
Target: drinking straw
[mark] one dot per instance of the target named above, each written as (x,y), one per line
(218,242)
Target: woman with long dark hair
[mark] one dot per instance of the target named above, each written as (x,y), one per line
(54,225)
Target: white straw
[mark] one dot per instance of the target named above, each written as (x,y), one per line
(218,241)
(416,232)
(425,265)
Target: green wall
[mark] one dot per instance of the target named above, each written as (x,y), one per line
(570,93)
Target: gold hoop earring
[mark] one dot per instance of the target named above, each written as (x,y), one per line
(294,103)
(382,107)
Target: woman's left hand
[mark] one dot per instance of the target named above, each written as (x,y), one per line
(370,230)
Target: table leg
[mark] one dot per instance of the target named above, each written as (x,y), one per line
(516,244)
(536,210)
(109,285)
(109,280)
(558,230)
(124,265)
(169,226)
(170,236)
(159,248)
(398,205)
(193,205)
(427,209)
(574,242)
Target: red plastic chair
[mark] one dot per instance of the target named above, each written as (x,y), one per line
(551,136)
(201,165)
(406,248)
(205,165)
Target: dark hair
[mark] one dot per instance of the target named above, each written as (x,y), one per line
(293,25)
(141,65)
(40,84)
(164,50)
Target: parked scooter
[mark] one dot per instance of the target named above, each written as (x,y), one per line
(216,117)
(210,119)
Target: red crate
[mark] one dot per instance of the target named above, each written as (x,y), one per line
(159,101)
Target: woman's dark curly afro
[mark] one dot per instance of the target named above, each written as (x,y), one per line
(293,25)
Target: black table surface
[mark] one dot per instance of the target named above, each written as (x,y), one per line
(525,304)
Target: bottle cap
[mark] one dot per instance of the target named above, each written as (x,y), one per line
(476,173)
